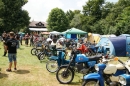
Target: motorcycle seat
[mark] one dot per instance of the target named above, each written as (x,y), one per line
(95,58)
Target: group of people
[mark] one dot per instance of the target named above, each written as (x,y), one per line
(10,43)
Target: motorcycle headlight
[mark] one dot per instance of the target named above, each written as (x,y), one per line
(96,67)
(122,80)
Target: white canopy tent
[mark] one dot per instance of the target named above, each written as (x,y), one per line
(54,32)
(38,29)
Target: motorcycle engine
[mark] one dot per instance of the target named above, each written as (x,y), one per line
(81,68)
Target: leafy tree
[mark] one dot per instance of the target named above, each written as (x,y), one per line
(123,25)
(93,8)
(76,21)
(1,20)
(57,20)
(70,15)
(14,18)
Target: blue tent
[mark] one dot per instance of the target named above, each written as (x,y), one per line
(118,46)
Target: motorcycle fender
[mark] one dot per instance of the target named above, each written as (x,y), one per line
(95,76)
(92,76)
(53,58)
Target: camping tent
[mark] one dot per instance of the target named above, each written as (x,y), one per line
(93,38)
(72,33)
(55,32)
(118,46)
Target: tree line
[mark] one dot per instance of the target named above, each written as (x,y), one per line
(97,16)
(12,16)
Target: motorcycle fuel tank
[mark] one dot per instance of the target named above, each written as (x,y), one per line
(110,69)
(81,58)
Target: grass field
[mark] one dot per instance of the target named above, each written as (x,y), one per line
(30,72)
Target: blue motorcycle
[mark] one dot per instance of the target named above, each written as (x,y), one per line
(124,79)
(55,61)
(78,63)
(104,73)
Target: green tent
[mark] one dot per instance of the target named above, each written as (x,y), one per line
(74,31)
(21,33)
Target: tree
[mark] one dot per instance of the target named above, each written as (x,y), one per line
(1,20)
(14,18)
(57,20)
(70,15)
(123,25)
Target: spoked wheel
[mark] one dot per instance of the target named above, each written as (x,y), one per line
(41,56)
(52,66)
(92,82)
(33,51)
(63,76)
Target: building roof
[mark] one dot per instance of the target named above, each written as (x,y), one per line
(38,24)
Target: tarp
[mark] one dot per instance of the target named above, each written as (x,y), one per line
(74,31)
(38,29)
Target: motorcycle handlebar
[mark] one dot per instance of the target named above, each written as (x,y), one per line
(120,61)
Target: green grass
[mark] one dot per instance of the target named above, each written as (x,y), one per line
(30,71)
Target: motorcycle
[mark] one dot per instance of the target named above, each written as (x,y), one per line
(55,61)
(124,79)
(105,73)
(82,64)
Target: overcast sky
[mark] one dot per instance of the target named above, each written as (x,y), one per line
(39,9)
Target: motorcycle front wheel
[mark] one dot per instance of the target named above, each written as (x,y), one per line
(52,66)
(63,76)
(91,82)
(33,51)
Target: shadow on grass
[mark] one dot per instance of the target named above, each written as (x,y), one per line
(22,71)
(2,75)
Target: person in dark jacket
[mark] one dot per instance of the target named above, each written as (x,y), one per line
(11,47)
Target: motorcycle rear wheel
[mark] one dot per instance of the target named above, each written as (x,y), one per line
(52,66)
(63,76)
(91,82)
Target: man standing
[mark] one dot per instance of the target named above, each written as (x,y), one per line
(11,45)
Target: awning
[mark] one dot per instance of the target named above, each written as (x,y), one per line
(38,29)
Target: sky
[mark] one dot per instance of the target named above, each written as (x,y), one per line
(39,9)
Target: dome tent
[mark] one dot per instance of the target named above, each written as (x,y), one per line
(117,46)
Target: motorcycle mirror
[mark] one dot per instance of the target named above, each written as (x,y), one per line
(116,59)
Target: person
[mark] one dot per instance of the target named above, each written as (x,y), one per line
(21,39)
(17,37)
(26,39)
(5,38)
(11,45)
(31,40)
